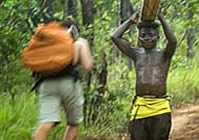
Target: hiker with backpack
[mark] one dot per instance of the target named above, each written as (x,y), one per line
(151,113)
(57,75)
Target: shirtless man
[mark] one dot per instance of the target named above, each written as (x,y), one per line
(151,113)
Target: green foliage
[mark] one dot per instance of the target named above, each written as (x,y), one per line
(183,81)
(18,114)
(17,117)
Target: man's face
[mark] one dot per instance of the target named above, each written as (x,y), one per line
(148,37)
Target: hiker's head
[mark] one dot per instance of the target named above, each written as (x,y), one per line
(148,34)
(72,27)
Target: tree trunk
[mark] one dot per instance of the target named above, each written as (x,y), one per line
(126,10)
(190,37)
(102,75)
(88,20)
(70,9)
(87,12)
(1,1)
(47,10)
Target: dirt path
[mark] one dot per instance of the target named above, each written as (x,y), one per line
(185,123)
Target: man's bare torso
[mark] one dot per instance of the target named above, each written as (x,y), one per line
(151,72)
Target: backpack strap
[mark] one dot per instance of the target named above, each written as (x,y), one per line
(70,71)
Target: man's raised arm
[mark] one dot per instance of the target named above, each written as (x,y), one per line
(121,43)
(172,41)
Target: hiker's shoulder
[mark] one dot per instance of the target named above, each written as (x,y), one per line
(81,43)
(81,40)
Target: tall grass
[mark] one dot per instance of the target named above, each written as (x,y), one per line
(183,81)
(17,117)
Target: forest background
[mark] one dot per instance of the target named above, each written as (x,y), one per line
(110,87)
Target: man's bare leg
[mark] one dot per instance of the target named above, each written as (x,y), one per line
(43,131)
(71,133)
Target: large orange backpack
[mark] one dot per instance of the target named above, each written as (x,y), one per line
(50,50)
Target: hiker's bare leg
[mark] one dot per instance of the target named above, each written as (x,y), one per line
(71,133)
(43,131)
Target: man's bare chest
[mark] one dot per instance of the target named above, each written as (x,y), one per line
(151,68)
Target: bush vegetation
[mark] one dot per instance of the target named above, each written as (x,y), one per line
(18,106)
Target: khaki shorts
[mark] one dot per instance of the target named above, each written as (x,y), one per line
(57,92)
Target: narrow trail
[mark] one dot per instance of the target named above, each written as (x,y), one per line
(185,123)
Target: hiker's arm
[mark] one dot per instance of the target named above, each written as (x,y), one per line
(83,55)
(121,43)
(172,41)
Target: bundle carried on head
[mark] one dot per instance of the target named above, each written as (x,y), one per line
(148,24)
(50,50)
(150,10)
